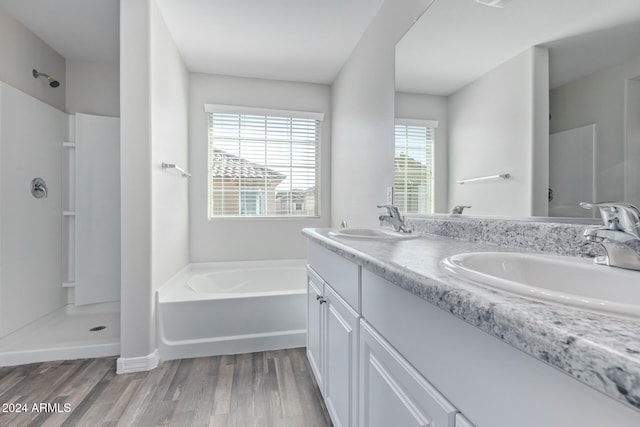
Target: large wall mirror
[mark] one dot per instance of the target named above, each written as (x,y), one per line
(537,104)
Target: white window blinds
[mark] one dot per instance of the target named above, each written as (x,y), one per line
(413,165)
(263,165)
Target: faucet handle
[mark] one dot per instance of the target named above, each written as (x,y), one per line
(459,209)
(618,215)
(393,210)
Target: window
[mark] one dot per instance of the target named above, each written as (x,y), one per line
(252,202)
(263,163)
(413,165)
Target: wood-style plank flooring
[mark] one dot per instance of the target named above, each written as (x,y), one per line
(272,388)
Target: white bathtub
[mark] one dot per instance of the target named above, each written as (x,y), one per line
(232,307)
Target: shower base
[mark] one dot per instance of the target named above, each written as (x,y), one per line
(65,334)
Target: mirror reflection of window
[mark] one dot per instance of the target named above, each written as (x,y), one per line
(413,168)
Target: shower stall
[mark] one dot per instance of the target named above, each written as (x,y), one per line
(59,232)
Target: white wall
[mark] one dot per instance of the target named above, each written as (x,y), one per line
(245,238)
(92,88)
(430,107)
(598,98)
(363,117)
(31,135)
(136,331)
(492,130)
(154,204)
(170,144)
(22,51)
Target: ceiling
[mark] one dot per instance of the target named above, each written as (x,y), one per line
(296,40)
(457,41)
(76,29)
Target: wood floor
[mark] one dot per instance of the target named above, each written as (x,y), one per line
(273,388)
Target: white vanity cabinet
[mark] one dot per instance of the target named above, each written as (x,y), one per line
(392,392)
(383,356)
(332,340)
(363,379)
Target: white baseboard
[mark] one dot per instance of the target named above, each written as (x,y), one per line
(127,365)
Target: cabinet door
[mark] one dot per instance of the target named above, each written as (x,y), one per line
(392,392)
(315,288)
(341,357)
(461,421)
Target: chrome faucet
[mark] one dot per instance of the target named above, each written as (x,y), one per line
(620,235)
(394,219)
(457,210)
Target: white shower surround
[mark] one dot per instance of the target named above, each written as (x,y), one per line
(37,321)
(31,135)
(232,307)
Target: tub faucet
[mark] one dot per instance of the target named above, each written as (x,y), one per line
(394,219)
(620,235)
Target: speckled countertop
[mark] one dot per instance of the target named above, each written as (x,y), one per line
(599,350)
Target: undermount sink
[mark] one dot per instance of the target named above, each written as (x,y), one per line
(372,233)
(570,281)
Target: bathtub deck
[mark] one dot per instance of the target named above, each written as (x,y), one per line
(272,388)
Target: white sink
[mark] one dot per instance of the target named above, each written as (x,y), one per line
(564,280)
(372,233)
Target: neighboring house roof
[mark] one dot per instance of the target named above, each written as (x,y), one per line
(227,165)
(409,168)
(401,160)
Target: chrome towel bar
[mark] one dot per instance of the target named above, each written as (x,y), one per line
(176,167)
(484,178)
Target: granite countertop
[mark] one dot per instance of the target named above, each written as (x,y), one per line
(599,350)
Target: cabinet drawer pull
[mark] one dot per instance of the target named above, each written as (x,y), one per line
(322,300)
(318,297)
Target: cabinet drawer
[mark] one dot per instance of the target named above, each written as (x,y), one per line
(342,275)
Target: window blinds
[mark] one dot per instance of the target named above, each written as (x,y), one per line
(263,165)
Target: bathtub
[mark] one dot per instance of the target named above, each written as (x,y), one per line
(210,309)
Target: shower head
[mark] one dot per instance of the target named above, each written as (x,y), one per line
(52,82)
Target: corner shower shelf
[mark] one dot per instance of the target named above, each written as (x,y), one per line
(69,147)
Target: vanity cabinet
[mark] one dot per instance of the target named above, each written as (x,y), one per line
(332,337)
(384,356)
(363,379)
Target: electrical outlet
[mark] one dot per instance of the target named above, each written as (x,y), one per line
(389,195)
